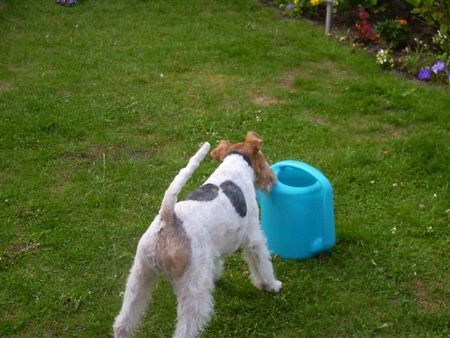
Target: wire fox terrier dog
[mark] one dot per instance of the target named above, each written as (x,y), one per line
(188,240)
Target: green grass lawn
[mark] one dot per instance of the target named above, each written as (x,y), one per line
(100,106)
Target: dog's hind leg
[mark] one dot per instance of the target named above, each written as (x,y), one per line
(140,284)
(195,301)
(259,261)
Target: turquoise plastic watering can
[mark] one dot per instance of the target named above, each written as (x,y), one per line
(297,215)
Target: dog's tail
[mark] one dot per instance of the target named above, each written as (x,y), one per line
(167,211)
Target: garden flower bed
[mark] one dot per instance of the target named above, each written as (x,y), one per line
(410,36)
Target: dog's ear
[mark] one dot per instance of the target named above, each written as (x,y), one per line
(254,140)
(221,150)
(265,177)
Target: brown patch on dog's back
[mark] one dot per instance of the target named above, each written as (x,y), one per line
(173,247)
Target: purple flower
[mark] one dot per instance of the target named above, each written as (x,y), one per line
(424,74)
(438,67)
(290,7)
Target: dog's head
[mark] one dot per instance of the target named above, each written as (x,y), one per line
(251,147)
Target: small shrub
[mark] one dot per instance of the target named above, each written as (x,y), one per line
(394,32)
(436,13)
(414,59)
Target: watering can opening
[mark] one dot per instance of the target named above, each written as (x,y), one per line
(295,177)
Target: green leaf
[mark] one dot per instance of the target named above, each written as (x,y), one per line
(437,16)
(414,3)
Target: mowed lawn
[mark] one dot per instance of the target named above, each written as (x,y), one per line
(101,105)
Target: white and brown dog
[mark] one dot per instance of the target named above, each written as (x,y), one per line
(188,240)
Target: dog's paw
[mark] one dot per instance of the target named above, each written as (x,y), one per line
(273,287)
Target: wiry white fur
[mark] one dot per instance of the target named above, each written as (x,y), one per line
(170,197)
(215,231)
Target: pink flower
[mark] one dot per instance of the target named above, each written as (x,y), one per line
(363,15)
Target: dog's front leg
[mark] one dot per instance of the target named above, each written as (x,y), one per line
(259,261)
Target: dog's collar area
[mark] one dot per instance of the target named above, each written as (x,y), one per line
(245,157)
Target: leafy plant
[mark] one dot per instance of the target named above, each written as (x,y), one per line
(394,32)
(435,13)
(441,42)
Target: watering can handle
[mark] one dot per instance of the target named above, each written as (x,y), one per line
(317,174)
(299,165)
